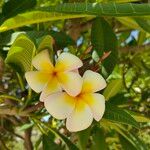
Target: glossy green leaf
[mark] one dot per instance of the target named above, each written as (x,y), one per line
(112,88)
(119,99)
(20,54)
(98,142)
(13,7)
(61,39)
(83,137)
(34,17)
(143,23)
(45,42)
(69,143)
(115,114)
(140,23)
(131,138)
(104,40)
(48,142)
(126,145)
(103,9)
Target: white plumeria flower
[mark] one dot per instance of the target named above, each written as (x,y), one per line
(50,79)
(81,109)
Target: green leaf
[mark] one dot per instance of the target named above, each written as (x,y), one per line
(104,40)
(132,138)
(119,115)
(119,99)
(126,145)
(61,39)
(46,42)
(102,9)
(13,7)
(70,145)
(112,88)
(48,142)
(83,137)
(140,23)
(139,117)
(98,140)
(143,23)
(34,17)
(20,54)
(26,126)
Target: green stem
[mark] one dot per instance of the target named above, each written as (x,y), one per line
(20,81)
(10,97)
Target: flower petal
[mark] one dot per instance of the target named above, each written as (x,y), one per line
(71,82)
(92,82)
(81,118)
(42,61)
(97,104)
(37,80)
(59,105)
(52,86)
(68,62)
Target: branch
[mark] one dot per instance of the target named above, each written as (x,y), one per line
(18,112)
(134,49)
(27,139)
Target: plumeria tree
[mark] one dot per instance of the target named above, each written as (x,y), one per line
(74,74)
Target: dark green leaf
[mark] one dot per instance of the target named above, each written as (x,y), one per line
(112,88)
(119,115)
(99,140)
(61,39)
(143,23)
(103,9)
(69,144)
(83,137)
(104,40)
(126,145)
(48,142)
(13,7)
(119,99)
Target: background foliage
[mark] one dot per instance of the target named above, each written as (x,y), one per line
(111,37)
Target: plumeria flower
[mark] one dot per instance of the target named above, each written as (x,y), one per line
(79,110)
(50,79)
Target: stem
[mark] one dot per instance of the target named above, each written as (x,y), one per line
(20,81)
(26,112)
(10,97)
(27,139)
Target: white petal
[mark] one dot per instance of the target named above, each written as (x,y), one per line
(71,82)
(59,105)
(80,119)
(97,104)
(52,86)
(92,82)
(68,62)
(42,61)
(37,80)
